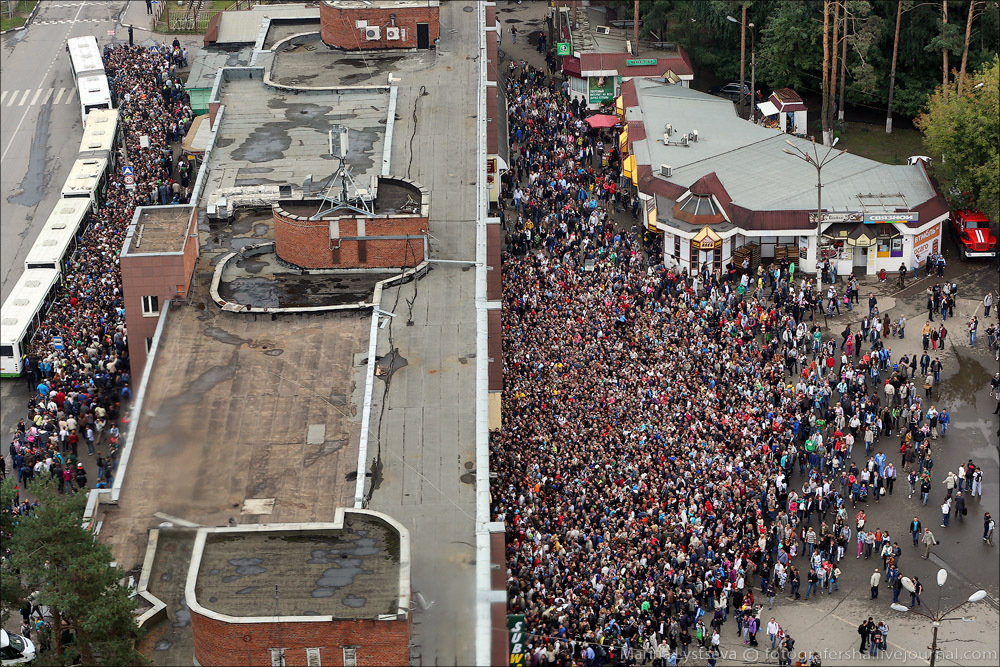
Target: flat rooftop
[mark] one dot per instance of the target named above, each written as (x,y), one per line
(240,408)
(351,573)
(271,137)
(306,61)
(261,281)
(157,229)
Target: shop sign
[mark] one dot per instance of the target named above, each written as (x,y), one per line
(708,244)
(891,217)
(927,235)
(518,637)
(640,62)
(562,49)
(838,217)
(600,89)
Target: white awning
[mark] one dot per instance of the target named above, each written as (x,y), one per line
(767,108)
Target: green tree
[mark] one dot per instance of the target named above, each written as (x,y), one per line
(791,46)
(70,570)
(964,129)
(12,592)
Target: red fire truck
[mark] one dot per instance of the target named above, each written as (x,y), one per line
(974,234)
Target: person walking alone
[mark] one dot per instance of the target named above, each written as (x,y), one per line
(928,541)
(875,580)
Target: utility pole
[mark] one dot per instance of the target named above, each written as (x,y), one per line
(843,68)
(743,51)
(892,73)
(635,30)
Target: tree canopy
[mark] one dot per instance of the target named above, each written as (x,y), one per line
(962,131)
(70,572)
(789,33)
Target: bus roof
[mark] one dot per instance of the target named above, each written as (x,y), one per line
(58,232)
(85,54)
(84,177)
(22,303)
(95,90)
(99,135)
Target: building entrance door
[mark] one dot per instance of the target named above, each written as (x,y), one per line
(423,36)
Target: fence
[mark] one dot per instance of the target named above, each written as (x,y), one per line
(192,17)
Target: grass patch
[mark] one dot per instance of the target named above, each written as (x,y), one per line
(20,10)
(872,142)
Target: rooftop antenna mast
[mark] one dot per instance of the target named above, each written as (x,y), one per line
(330,200)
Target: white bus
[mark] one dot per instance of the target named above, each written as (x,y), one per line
(87,178)
(56,243)
(94,94)
(20,315)
(100,136)
(87,67)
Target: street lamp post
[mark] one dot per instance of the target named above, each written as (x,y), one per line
(938,616)
(815,161)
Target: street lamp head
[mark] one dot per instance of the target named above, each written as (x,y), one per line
(789,142)
(899,607)
(835,141)
(942,577)
(908,584)
(732,20)
(750,25)
(968,619)
(977,596)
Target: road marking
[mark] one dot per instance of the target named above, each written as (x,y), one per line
(25,114)
(13,98)
(48,94)
(3,96)
(35,98)
(59,96)
(23,98)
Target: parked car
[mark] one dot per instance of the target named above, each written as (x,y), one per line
(731,91)
(15,649)
(972,229)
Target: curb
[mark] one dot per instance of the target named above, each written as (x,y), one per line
(27,21)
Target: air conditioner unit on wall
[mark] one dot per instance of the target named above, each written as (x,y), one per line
(392,33)
(373,32)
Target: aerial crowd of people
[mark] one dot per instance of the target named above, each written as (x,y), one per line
(679,447)
(82,385)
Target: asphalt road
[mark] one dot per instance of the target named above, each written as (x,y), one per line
(40,123)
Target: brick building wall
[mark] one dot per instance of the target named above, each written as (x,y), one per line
(163,275)
(339,26)
(307,243)
(377,642)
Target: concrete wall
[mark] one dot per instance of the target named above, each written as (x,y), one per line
(377,642)
(338,27)
(307,243)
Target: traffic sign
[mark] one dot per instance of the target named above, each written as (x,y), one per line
(57,343)
(129,177)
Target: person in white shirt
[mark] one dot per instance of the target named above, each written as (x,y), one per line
(772,631)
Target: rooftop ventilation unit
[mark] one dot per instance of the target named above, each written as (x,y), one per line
(684,140)
(669,129)
(693,136)
(666,170)
(603,30)
(373,32)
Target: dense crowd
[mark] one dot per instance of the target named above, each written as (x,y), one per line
(80,390)
(679,446)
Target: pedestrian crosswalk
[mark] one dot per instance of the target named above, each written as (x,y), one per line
(62,21)
(33,96)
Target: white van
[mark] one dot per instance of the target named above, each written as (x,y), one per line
(15,649)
